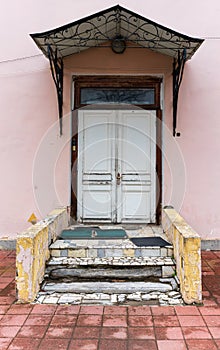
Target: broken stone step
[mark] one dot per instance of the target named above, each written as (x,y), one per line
(109,261)
(107,287)
(98,249)
(131,273)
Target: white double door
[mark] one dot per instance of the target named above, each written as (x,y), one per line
(116,166)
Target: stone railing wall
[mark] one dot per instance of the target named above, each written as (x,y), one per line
(187,253)
(32,252)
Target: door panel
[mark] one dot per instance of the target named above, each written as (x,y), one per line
(137,157)
(116,165)
(136,203)
(97,202)
(95,164)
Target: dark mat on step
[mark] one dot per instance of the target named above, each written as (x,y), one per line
(150,242)
(92,233)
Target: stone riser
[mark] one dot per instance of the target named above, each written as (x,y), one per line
(106,273)
(107,252)
(129,262)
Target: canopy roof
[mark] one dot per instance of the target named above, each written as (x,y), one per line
(116,22)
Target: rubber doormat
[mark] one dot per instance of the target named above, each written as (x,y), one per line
(150,242)
(92,232)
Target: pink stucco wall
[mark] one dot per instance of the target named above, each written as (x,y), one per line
(35,160)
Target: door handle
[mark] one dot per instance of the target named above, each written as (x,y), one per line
(118,179)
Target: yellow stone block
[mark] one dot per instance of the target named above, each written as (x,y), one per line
(128,252)
(32,252)
(55,253)
(76,253)
(32,219)
(187,253)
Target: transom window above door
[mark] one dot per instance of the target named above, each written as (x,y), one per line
(137,96)
(104,91)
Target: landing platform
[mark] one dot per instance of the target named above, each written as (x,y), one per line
(117,247)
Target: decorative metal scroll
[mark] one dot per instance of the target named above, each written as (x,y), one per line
(56,66)
(100,29)
(137,96)
(106,27)
(178,68)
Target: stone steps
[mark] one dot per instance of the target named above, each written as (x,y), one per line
(110,280)
(94,271)
(108,248)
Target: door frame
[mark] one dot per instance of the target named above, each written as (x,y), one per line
(114,82)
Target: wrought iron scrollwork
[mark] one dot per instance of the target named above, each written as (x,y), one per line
(56,66)
(178,68)
(99,30)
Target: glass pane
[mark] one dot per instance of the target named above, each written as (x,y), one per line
(142,96)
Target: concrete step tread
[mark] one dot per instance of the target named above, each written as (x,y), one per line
(110,287)
(115,261)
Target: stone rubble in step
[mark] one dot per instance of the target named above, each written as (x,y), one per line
(152,298)
(135,261)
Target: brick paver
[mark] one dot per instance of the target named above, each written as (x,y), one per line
(74,327)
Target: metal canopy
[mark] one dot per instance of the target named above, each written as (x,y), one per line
(100,30)
(102,27)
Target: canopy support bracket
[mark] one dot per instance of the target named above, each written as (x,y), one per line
(56,66)
(178,68)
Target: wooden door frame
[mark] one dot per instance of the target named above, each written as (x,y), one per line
(117,82)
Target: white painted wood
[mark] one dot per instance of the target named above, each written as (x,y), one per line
(117,142)
(137,164)
(96,159)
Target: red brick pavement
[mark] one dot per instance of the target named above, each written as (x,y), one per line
(53,327)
